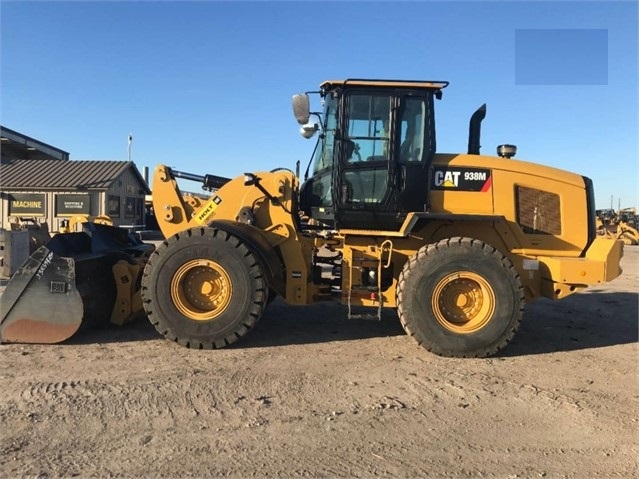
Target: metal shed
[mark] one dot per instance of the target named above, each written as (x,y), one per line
(54,190)
(39,181)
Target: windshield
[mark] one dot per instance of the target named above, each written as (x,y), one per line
(323,158)
(322,161)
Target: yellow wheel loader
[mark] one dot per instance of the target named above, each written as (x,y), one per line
(456,243)
(627,234)
(621,225)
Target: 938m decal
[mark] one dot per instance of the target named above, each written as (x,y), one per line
(462,179)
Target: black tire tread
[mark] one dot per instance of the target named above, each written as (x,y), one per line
(430,249)
(257,306)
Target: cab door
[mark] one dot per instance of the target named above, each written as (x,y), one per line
(416,139)
(386,145)
(364,177)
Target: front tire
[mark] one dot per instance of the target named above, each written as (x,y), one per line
(460,297)
(204,288)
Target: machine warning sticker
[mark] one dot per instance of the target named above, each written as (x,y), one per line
(208,210)
(462,179)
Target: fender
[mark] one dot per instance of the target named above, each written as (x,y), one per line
(273,265)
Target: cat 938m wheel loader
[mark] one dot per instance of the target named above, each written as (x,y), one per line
(457,243)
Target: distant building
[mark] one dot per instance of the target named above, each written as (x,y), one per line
(16,146)
(39,181)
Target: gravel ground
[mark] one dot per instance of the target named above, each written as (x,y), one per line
(309,393)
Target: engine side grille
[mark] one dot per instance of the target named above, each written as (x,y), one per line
(538,211)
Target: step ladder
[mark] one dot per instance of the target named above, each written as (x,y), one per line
(386,247)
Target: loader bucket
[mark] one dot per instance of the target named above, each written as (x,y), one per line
(41,303)
(75,280)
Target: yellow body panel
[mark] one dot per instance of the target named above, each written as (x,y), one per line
(563,276)
(499,200)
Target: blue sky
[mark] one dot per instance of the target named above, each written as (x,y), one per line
(205,86)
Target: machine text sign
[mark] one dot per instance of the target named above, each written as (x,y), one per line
(462,179)
(26,204)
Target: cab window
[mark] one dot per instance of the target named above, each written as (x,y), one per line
(412,128)
(368,132)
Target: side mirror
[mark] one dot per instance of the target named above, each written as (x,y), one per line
(301,108)
(308,130)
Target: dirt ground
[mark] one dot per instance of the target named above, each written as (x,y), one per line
(310,393)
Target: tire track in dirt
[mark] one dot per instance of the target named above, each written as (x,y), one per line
(49,392)
(474,388)
(239,396)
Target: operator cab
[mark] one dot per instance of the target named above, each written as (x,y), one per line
(371,164)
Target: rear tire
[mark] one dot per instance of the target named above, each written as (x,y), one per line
(460,297)
(204,288)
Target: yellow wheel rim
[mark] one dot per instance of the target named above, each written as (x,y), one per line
(463,302)
(201,289)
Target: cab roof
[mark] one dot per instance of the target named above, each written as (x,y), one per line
(358,82)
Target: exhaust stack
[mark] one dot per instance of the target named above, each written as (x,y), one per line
(474,130)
